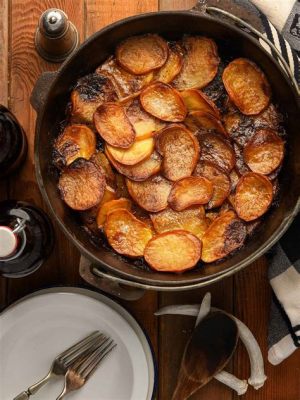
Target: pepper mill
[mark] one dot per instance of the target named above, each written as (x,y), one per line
(56,37)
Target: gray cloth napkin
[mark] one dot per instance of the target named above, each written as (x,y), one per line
(279,21)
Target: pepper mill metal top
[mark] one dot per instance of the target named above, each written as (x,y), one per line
(56,37)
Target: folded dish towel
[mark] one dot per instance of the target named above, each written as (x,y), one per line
(279,21)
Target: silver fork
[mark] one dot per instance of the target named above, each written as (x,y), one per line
(64,360)
(78,374)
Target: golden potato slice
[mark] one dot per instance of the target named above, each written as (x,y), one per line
(164,102)
(224,235)
(264,153)
(192,220)
(126,84)
(90,92)
(142,54)
(141,171)
(82,185)
(126,234)
(145,125)
(253,197)
(180,151)
(76,141)
(189,192)
(172,66)
(101,161)
(204,121)
(200,64)
(220,182)
(175,251)
(247,86)
(195,100)
(217,150)
(109,206)
(137,152)
(152,194)
(113,125)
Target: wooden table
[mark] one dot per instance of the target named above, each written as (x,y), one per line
(247,294)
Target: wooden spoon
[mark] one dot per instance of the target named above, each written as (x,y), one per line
(207,352)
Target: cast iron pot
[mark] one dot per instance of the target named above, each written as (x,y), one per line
(171,25)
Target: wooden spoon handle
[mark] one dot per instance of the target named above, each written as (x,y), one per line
(185,387)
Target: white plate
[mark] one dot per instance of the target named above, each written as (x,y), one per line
(36,329)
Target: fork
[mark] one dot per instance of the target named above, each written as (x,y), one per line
(64,360)
(78,374)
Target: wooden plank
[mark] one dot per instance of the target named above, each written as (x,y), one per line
(165,5)
(26,66)
(252,305)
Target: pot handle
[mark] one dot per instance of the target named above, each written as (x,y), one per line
(95,277)
(41,89)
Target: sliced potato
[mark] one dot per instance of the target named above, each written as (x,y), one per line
(224,235)
(195,100)
(126,84)
(220,182)
(137,152)
(82,185)
(113,125)
(126,234)
(145,125)
(90,92)
(190,191)
(253,197)
(200,64)
(152,194)
(76,141)
(101,161)
(121,187)
(141,171)
(109,206)
(172,66)
(264,153)
(247,86)
(142,54)
(180,151)
(201,120)
(175,251)
(217,150)
(164,102)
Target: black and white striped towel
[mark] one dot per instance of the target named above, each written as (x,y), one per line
(279,21)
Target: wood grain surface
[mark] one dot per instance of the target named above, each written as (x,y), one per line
(247,294)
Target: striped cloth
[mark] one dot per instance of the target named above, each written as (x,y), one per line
(279,21)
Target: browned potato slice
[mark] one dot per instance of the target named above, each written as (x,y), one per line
(253,197)
(126,84)
(164,102)
(175,251)
(220,182)
(121,187)
(152,194)
(141,171)
(247,86)
(173,65)
(90,92)
(201,120)
(190,191)
(113,125)
(126,234)
(200,64)
(109,206)
(180,151)
(145,125)
(82,185)
(101,161)
(76,141)
(142,54)
(225,234)
(264,153)
(195,100)
(137,152)
(217,150)
(192,220)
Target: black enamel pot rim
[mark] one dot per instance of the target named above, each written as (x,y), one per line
(171,283)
